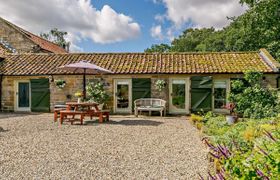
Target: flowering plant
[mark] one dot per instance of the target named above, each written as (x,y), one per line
(96,92)
(78,94)
(230,107)
(160,84)
(60,83)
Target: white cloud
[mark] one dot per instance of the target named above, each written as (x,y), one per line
(160,18)
(78,17)
(202,13)
(156,32)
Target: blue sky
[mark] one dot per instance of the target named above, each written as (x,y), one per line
(118,25)
(143,12)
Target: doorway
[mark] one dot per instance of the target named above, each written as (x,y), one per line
(123,96)
(179,96)
(22,96)
(201,93)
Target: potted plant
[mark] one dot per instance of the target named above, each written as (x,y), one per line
(60,83)
(79,95)
(232,117)
(97,93)
(160,85)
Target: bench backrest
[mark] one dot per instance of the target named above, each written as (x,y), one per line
(153,102)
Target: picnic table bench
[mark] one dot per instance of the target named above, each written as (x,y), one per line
(150,104)
(65,113)
(82,109)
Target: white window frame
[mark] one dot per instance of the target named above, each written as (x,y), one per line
(173,110)
(123,110)
(220,110)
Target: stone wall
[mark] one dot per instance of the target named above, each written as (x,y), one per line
(270,80)
(16,39)
(74,84)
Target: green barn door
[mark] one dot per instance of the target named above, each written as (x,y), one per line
(201,93)
(40,95)
(141,88)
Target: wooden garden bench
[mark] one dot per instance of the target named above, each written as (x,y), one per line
(150,104)
(103,115)
(57,109)
(65,113)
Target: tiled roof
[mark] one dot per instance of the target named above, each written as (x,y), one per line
(139,63)
(43,43)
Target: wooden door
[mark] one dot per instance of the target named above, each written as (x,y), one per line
(201,93)
(40,95)
(141,88)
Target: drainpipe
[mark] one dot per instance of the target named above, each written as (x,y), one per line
(1,79)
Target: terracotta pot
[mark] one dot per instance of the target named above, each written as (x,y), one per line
(231,119)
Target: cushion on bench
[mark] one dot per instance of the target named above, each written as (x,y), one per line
(149,104)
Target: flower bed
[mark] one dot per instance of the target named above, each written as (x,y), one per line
(246,150)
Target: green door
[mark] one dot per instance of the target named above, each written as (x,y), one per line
(141,88)
(201,93)
(40,95)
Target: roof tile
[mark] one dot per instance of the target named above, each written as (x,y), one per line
(137,63)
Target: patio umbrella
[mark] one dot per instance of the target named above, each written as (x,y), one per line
(84,67)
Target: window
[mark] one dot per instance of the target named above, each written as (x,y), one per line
(220,94)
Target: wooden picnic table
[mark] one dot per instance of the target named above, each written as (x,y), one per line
(83,109)
(84,105)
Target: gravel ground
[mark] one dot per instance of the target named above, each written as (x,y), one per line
(34,147)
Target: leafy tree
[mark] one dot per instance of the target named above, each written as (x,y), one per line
(158,48)
(192,40)
(57,36)
(257,28)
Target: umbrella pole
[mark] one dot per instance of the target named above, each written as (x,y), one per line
(84,84)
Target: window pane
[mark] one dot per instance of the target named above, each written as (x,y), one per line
(178,94)
(220,84)
(122,95)
(219,98)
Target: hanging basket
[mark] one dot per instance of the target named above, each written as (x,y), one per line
(160,84)
(60,84)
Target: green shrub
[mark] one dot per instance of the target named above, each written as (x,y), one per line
(96,92)
(251,99)
(216,126)
(196,118)
(262,162)
(249,149)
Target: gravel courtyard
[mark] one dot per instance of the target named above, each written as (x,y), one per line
(34,147)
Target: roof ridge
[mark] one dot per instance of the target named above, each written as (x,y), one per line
(269,60)
(27,34)
(141,53)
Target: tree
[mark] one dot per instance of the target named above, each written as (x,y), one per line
(257,28)
(57,36)
(158,48)
(192,40)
